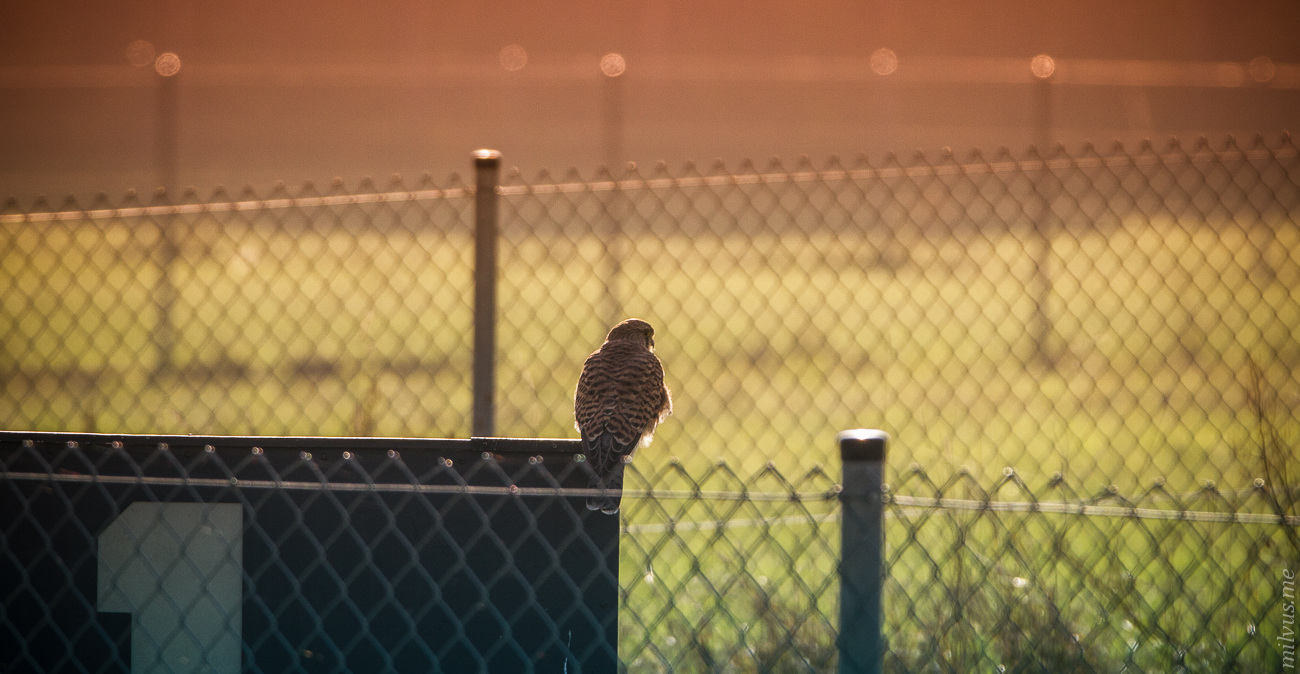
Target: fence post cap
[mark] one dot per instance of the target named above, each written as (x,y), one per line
(862,444)
(486,156)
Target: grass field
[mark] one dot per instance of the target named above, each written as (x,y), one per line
(771,343)
(1117,354)
(966,591)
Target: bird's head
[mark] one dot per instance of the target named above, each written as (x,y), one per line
(634,330)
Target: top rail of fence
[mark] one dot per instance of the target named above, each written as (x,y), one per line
(494,445)
(518,447)
(921,169)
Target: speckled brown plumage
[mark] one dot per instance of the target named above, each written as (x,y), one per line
(621,397)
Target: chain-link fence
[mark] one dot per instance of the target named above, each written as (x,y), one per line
(1103,314)
(192,554)
(1120,326)
(189,553)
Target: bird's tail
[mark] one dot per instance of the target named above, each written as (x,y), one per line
(606,473)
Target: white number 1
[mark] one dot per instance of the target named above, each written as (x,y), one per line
(177,569)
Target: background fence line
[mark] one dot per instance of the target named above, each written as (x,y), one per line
(1203,154)
(1094,314)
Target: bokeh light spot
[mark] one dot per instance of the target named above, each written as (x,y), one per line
(613,65)
(1262,69)
(884,61)
(514,57)
(140,53)
(167,64)
(1042,66)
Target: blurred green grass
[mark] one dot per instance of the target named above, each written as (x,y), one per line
(966,591)
(772,343)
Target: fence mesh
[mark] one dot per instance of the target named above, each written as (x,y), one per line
(391,555)
(1109,315)
(192,554)
(1120,326)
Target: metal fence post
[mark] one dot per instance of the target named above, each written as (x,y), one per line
(487,167)
(862,550)
(166,158)
(1041,325)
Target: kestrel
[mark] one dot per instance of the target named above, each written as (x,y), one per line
(621,397)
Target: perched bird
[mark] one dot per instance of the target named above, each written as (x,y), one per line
(621,397)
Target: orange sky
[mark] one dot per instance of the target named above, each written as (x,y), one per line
(309,90)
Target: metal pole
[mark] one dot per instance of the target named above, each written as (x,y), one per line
(613,203)
(166,160)
(862,550)
(487,167)
(1042,325)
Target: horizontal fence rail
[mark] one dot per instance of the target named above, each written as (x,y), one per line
(1200,156)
